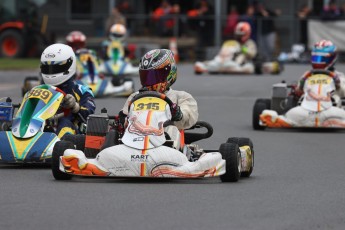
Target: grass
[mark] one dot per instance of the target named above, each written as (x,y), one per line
(19,63)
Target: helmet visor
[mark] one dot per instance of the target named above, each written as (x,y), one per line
(57,68)
(149,77)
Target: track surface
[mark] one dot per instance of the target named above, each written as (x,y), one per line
(297,183)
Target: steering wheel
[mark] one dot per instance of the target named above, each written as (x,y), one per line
(66,112)
(322,71)
(150,94)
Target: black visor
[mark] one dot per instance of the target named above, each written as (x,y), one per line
(57,68)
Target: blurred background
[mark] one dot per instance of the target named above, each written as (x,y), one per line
(199,26)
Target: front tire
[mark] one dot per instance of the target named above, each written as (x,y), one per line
(232,155)
(259,106)
(58,151)
(28,84)
(243,141)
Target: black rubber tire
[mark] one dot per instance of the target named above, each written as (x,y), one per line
(25,89)
(232,155)
(58,151)
(290,103)
(78,140)
(17,36)
(259,106)
(242,141)
(266,101)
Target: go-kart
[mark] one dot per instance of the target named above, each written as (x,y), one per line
(115,63)
(318,107)
(227,62)
(89,74)
(29,137)
(151,147)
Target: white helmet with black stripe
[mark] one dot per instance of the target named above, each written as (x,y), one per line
(58,64)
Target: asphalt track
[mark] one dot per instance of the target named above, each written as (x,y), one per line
(297,182)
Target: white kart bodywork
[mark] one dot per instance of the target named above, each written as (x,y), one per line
(224,61)
(316,109)
(143,153)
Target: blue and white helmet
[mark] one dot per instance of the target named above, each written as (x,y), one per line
(323,55)
(58,64)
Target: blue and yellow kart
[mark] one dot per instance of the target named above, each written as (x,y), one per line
(29,137)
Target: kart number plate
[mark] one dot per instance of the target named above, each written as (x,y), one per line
(150,103)
(319,80)
(85,57)
(42,94)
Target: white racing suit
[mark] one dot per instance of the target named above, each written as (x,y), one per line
(233,57)
(339,82)
(187,103)
(316,109)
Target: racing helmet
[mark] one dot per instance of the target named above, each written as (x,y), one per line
(157,70)
(323,55)
(58,64)
(117,32)
(243,31)
(76,40)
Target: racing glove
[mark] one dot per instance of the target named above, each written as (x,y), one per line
(244,49)
(71,103)
(176,113)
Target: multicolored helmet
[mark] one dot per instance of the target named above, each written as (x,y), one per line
(243,31)
(157,70)
(323,55)
(76,40)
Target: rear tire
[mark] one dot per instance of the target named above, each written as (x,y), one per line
(259,106)
(58,151)
(242,141)
(232,155)
(11,44)
(27,84)
(78,140)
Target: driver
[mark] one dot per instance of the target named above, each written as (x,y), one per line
(117,34)
(58,68)
(248,47)
(158,72)
(324,56)
(77,40)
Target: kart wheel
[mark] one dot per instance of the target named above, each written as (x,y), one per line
(291,102)
(197,72)
(242,141)
(58,151)
(266,101)
(78,140)
(232,155)
(259,106)
(28,84)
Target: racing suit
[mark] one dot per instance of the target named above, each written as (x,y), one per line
(339,80)
(83,96)
(183,99)
(241,61)
(247,54)
(333,116)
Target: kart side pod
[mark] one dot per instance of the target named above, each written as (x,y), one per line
(96,130)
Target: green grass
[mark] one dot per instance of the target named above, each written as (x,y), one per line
(19,63)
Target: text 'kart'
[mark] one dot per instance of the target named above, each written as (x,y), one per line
(150,147)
